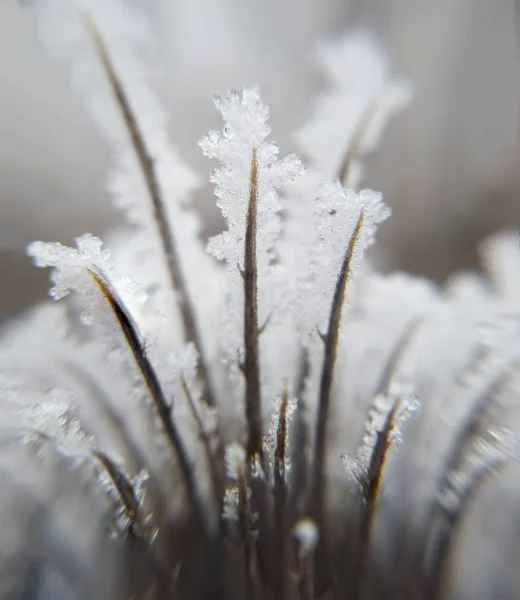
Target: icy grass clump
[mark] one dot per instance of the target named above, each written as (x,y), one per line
(180,371)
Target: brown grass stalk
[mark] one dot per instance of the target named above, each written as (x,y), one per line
(151,380)
(329,361)
(146,163)
(280,496)
(251,367)
(125,491)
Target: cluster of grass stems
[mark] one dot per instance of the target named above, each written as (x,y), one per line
(262,558)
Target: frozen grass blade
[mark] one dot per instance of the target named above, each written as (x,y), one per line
(330,341)
(280,496)
(154,387)
(371,494)
(251,367)
(125,491)
(445,531)
(146,163)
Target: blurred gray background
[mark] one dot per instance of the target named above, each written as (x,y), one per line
(448,166)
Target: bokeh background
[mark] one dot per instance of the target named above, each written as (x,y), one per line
(448,166)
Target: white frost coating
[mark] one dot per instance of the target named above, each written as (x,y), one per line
(183,366)
(306,533)
(352,114)
(71,265)
(235,460)
(270,438)
(73,269)
(245,127)
(357,467)
(335,218)
(493,447)
(48,413)
(230,505)
(269,442)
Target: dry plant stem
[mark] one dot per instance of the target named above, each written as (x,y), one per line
(152,383)
(280,493)
(251,366)
(444,534)
(329,361)
(244,526)
(124,489)
(357,138)
(370,496)
(300,441)
(211,459)
(133,458)
(146,163)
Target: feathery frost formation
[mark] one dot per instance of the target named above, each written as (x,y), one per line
(239,415)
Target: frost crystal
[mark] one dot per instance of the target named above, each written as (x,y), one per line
(230,505)
(270,440)
(71,265)
(245,127)
(245,130)
(404,404)
(336,215)
(235,461)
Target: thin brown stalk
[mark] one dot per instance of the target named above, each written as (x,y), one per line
(251,367)
(147,165)
(280,493)
(370,497)
(154,387)
(125,491)
(281,442)
(353,149)
(329,361)
(244,527)
(299,442)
